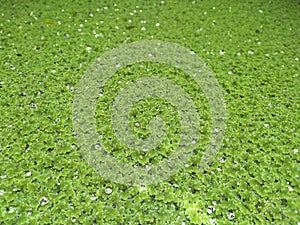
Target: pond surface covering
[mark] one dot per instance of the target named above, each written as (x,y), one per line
(252,48)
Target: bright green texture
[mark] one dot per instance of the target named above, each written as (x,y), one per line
(43,55)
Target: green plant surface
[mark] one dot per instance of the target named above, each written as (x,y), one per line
(252,48)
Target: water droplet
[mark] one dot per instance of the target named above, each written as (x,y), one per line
(108,191)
